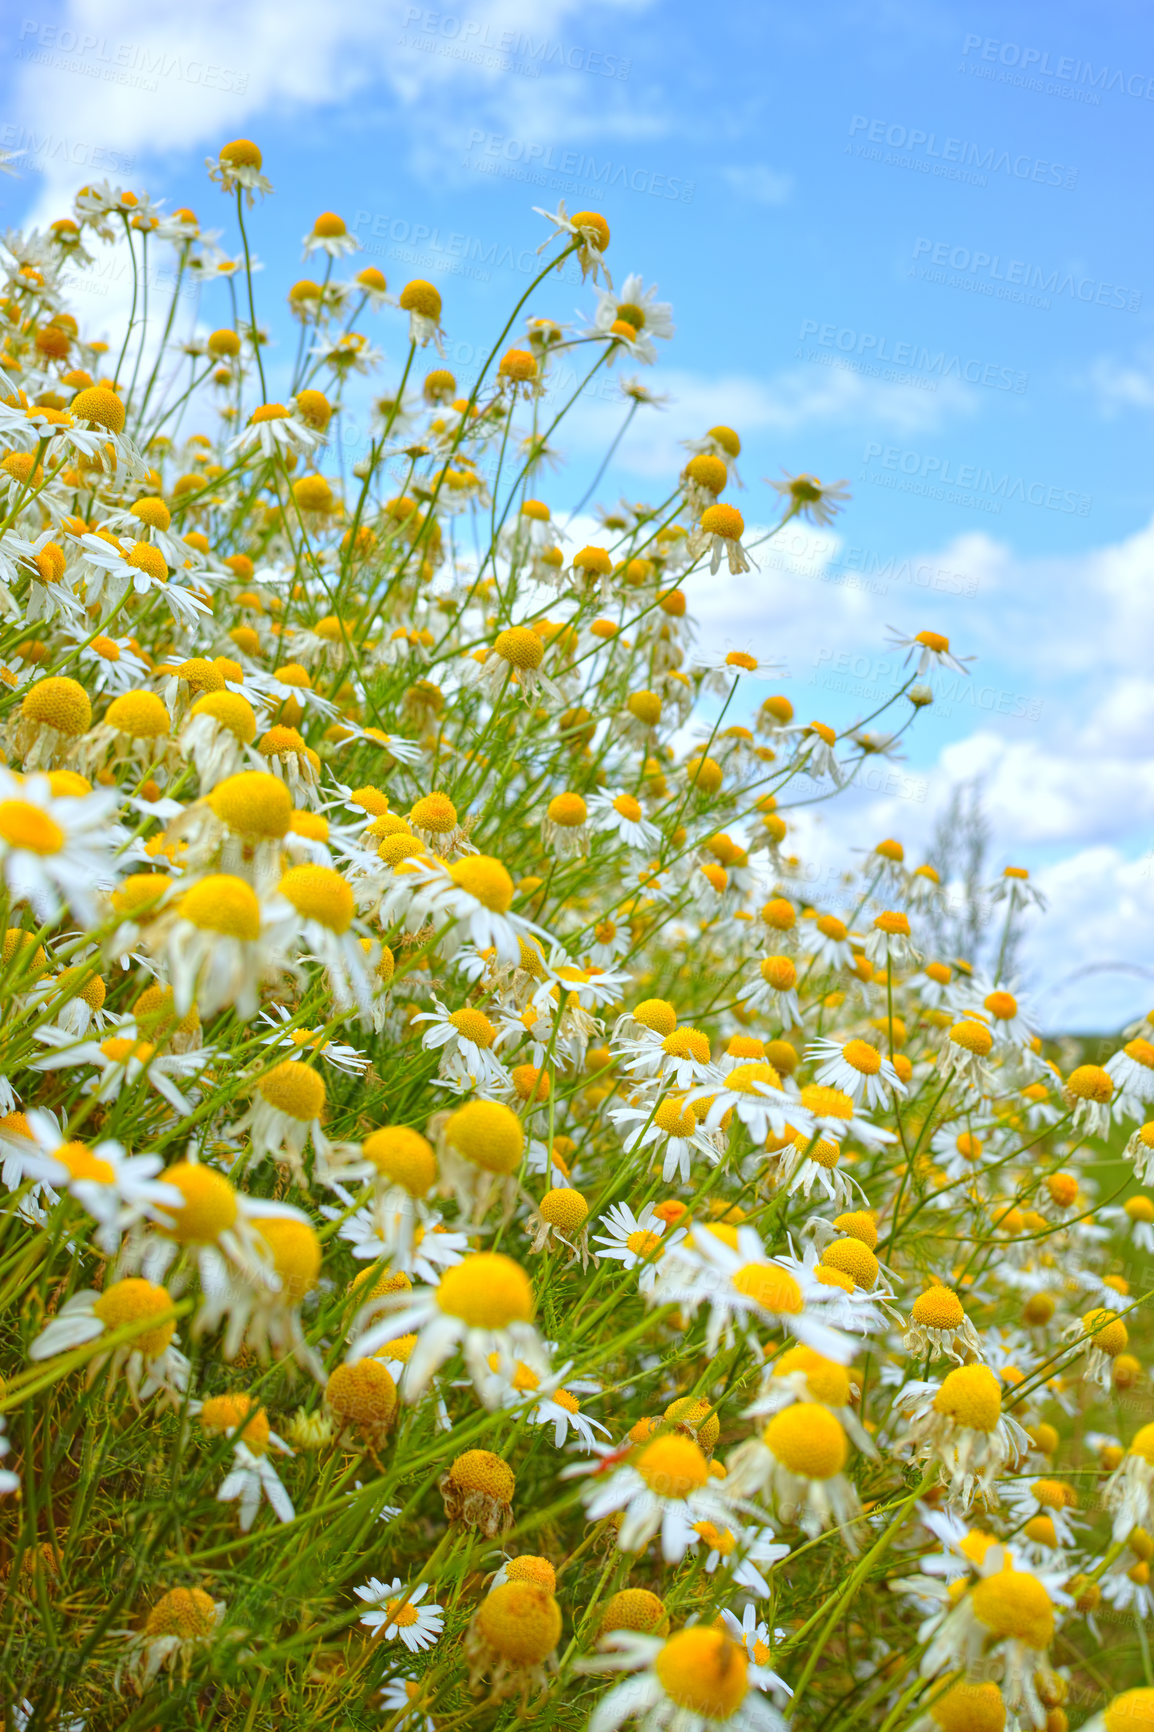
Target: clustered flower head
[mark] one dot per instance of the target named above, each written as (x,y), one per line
(479,1241)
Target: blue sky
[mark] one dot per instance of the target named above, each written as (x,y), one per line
(904,244)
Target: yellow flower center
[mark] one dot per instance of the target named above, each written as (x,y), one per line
(676,1117)
(26,827)
(564,1208)
(520,1621)
(644,1244)
(363,1394)
(225,905)
(295,1089)
(827,1381)
(520,647)
(863,1057)
(319,893)
(972,1037)
(1132,1711)
(296,1254)
(119,1050)
(81,1163)
(489,1134)
(938,1308)
(808,1440)
(183,1612)
(140,715)
(237,1413)
(744,1078)
(687,1043)
(486,879)
(134,1301)
(1110,1334)
(673,1466)
(827,1103)
(1089,1082)
(210,1206)
(704,1672)
(486,1291)
(253,804)
(474,1026)
(403,1156)
(970,1708)
(771,1288)
(1014,1605)
(971,1398)
(481,1470)
(853,1258)
(401,1614)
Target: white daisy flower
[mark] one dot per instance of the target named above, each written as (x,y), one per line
(638,308)
(398,1614)
(56,851)
(117,1189)
(122,1057)
(148,1358)
(753,1091)
(932,650)
(857,1069)
(475,895)
(398,1698)
(215,946)
(758,1641)
(1132,1072)
(697,1680)
(634,1241)
(271,429)
(482,1305)
(466,1039)
(669,1125)
(252,1478)
(663,1487)
(742,1285)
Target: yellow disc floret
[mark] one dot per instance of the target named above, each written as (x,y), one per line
(808,1440)
(254,805)
(520,1621)
(210,1206)
(487,1133)
(319,893)
(296,1090)
(486,1291)
(970,1396)
(403,1156)
(223,904)
(673,1466)
(704,1671)
(1013,1605)
(135,1300)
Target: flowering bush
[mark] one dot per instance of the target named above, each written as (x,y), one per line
(478,1244)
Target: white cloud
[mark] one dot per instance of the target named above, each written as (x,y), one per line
(144,81)
(789,402)
(1119,385)
(1089,953)
(759,183)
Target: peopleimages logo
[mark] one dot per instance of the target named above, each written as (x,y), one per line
(965,483)
(476,38)
(542,164)
(1015,279)
(872,346)
(1065,67)
(988,159)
